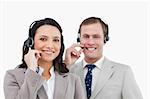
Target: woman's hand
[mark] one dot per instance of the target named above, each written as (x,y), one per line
(31,58)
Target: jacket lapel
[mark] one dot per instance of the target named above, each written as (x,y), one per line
(42,93)
(105,74)
(80,73)
(60,88)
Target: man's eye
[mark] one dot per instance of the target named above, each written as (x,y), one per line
(85,36)
(96,37)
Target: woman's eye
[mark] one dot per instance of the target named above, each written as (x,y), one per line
(43,39)
(56,40)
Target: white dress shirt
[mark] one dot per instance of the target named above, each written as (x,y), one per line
(49,84)
(95,71)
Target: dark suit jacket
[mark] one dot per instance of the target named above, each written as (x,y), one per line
(26,84)
(116,81)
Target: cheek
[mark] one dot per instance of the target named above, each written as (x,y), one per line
(100,41)
(57,47)
(83,41)
(37,45)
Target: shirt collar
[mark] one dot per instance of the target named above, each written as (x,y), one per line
(98,63)
(51,72)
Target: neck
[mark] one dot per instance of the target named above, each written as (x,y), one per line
(45,65)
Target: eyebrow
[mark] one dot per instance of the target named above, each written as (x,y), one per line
(43,36)
(47,36)
(57,37)
(91,35)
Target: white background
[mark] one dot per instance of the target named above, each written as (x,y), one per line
(128,31)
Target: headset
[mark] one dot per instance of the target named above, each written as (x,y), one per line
(29,43)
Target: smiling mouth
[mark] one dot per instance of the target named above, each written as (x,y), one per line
(90,49)
(47,52)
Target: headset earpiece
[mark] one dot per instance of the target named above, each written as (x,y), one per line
(106,38)
(28,44)
(78,38)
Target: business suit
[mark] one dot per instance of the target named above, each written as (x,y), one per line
(116,81)
(26,84)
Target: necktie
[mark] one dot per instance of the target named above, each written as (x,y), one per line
(88,79)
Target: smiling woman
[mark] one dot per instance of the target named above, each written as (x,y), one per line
(42,74)
(48,42)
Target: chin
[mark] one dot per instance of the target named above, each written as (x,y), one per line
(47,59)
(92,56)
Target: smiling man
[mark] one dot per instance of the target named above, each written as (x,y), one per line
(101,78)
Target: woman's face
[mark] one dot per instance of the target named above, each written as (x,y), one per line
(47,40)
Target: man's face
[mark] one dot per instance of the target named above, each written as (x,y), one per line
(92,38)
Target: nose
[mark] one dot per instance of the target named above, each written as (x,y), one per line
(49,44)
(90,41)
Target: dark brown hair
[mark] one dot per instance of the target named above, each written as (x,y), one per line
(58,64)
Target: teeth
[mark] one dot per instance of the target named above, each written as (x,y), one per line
(91,49)
(48,52)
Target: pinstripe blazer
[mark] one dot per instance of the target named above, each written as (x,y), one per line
(116,81)
(26,84)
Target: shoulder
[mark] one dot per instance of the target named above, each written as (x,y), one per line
(72,75)
(14,75)
(76,67)
(120,65)
(116,66)
(69,76)
(16,70)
